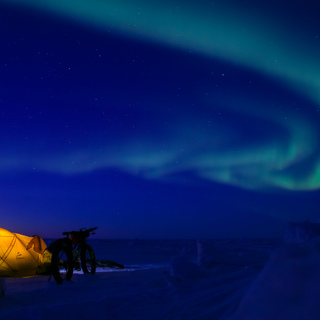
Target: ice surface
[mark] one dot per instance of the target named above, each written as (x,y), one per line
(179,279)
(302,232)
(287,288)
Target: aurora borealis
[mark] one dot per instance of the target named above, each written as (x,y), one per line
(153,116)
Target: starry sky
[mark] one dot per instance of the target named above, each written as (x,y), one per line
(159,119)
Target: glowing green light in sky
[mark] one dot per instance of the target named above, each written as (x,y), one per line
(221,31)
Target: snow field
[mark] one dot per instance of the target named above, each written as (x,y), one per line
(180,279)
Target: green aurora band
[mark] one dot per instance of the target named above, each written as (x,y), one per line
(251,38)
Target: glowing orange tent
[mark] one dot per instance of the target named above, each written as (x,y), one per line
(22,256)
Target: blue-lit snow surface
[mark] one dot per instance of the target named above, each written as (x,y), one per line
(178,279)
(139,254)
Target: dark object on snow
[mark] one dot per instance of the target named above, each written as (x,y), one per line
(67,252)
(109,264)
(1,287)
(302,232)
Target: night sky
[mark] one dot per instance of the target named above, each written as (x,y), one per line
(159,119)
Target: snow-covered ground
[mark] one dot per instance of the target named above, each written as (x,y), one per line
(178,279)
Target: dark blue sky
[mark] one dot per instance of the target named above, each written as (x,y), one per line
(168,119)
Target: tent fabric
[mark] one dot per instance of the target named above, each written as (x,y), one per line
(38,244)
(18,261)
